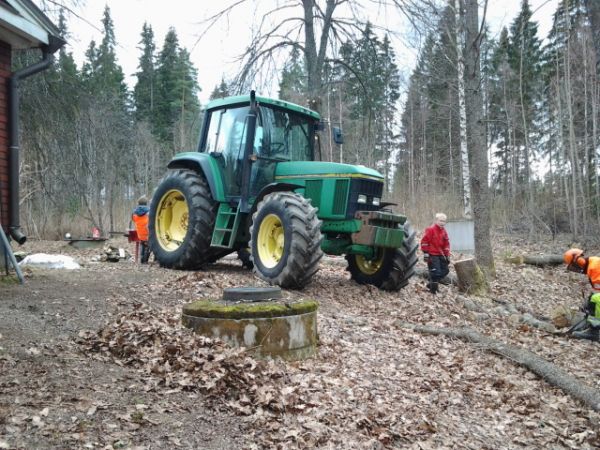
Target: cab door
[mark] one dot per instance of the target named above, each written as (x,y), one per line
(226,140)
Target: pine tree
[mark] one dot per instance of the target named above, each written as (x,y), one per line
(220,91)
(144,90)
(292,86)
(371,88)
(167,80)
(525,59)
(177,93)
(500,101)
(104,76)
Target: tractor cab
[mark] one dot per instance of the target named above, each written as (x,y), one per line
(283,132)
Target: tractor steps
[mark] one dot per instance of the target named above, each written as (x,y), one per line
(226,226)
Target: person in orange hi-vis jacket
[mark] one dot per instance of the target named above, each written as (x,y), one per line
(576,261)
(140,219)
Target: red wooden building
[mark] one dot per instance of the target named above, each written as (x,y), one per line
(22,26)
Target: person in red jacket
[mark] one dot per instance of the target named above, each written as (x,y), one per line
(435,246)
(140,219)
(576,261)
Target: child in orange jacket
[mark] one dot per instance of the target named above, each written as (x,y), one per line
(140,219)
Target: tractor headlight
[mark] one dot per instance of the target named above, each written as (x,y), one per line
(376,201)
(361,198)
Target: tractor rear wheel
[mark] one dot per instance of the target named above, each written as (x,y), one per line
(286,240)
(182,218)
(390,269)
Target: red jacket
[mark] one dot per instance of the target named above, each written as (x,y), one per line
(435,241)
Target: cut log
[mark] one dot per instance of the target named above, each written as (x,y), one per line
(471,279)
(540,261)
(536,364)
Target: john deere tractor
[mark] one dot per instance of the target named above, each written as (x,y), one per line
(257,183)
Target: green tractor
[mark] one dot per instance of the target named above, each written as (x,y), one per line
(256,185)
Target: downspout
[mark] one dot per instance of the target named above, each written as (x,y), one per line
(14,227)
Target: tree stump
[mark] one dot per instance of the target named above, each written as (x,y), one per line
(471,278)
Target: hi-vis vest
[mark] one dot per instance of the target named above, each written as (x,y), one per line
(141,226)
(593,272)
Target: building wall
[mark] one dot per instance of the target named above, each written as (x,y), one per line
(5,72)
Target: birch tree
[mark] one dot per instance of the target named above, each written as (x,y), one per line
(460,65)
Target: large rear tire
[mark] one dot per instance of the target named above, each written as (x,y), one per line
(391,268)
(286,240)
(182,218)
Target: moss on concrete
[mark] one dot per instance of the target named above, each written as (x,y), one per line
(244,310)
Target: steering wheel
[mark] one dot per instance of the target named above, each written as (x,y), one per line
(277,147)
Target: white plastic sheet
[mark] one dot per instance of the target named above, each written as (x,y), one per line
(46,261)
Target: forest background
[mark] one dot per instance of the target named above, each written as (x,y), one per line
(91,145)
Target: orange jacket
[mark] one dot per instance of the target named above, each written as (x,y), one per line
(593,272)
(141,225)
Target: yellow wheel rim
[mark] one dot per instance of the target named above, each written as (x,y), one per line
(270,241)
(171,222)
(369,266)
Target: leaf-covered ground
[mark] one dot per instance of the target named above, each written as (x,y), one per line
(97,359)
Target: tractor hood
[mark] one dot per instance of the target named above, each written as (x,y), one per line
(319,169)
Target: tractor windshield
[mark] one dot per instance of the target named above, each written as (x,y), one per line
(286,135)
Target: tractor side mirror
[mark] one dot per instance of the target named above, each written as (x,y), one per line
(338,136)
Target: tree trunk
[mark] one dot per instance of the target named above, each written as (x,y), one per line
(573,160)
(471,279)
(593,13)
(542,260)
(529,192)
(478,156)
(541,367)
(315,53)
(464,155)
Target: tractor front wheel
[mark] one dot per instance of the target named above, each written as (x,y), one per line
(286,240)
(391,268)
(182,217)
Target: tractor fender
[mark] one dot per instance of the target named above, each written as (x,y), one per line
(201,163)
(269,189)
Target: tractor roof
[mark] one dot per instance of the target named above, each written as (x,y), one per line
(241,99)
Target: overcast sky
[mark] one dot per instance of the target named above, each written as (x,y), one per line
(214,55)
